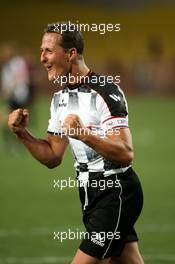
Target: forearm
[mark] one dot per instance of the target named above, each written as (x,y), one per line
(117,151)
(39,148)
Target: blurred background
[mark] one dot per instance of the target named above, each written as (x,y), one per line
(143,54)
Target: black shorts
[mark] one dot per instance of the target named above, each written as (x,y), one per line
(111,206)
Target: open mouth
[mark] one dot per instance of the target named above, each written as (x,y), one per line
(48,67)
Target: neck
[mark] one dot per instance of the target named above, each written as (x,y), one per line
(78,69)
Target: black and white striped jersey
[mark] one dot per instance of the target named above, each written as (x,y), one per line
(101,108)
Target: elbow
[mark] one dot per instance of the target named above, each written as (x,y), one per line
(128,158)
(53,163)
(51,166)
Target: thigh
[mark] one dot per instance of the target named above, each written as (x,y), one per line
(102,227)
(110,216)
(82,258)
(130,255)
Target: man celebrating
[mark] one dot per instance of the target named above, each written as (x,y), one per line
(94,120)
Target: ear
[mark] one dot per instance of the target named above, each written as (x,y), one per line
(72,54)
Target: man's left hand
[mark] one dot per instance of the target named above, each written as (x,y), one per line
(73,127)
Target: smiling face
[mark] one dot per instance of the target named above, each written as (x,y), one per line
(53,57)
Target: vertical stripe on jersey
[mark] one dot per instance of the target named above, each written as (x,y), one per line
(73,103)
(56,101)
(93,102)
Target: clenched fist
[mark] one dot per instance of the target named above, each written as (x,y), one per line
(18,120)
(74,127)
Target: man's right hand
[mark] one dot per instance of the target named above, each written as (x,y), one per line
(18,120)
(48,151)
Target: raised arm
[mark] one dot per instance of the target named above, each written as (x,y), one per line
(48,151)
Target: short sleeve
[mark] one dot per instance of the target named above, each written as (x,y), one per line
(113,110)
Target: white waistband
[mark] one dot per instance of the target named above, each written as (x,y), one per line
(116,171)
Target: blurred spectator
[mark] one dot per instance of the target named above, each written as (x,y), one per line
(116,67)
(153,75)
(15,79)
(172,77)
(17,86)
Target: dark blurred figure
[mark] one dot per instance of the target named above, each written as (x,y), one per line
(172,77)
(153,75)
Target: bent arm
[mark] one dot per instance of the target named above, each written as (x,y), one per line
(116,147)
(48,151)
